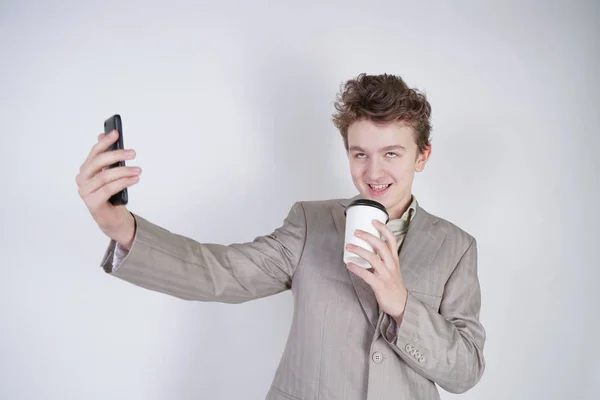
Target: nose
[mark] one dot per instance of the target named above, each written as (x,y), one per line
(375,170)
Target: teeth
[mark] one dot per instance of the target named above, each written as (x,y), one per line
(379,187)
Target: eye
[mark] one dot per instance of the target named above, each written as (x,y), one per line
(393,154)
(358,155)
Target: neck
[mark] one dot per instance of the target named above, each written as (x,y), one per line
(397,210)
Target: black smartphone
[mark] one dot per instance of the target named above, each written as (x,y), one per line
(110,125)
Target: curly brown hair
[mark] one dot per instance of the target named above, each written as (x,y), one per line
(383,98)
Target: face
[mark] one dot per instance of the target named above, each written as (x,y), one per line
(383,161)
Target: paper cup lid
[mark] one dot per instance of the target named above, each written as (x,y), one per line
(371,203)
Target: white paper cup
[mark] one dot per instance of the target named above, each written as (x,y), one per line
(359,215)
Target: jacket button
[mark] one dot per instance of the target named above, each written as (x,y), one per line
(377,357)
(408,348)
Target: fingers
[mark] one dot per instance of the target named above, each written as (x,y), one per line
(94,165)
(96,182)
(105,159)
(371,258)
(106,177)
(365,275)
(390,238)
(382,248)
(104,142)
(101,196)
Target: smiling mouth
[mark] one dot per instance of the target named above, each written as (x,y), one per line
(378,189)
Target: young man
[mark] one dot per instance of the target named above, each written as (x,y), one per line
(390,332)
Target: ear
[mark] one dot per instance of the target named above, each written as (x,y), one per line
(422,159)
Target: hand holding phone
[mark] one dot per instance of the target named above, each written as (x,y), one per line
(103,180)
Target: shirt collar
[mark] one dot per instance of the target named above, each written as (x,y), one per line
(410,212)
(401,224)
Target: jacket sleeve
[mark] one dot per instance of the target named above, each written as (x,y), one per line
(445,347)
(166,262)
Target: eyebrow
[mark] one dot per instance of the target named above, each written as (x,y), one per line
(387,148)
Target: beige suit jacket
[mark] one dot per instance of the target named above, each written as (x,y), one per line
(340,345)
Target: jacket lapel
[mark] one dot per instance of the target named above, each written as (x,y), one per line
(420,245)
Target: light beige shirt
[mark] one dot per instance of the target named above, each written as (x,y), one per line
(400,226)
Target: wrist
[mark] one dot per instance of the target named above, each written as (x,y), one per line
(398,318)
(400,313)
(128,232)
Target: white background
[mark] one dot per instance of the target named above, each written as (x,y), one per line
(228,106)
